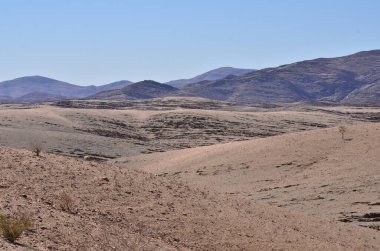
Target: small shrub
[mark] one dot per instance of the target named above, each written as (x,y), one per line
(66,203)
(36,149)
(342,131)
(11,228)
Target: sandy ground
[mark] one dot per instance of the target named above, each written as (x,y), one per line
(221,178)
(109,133)
(122,209)
(314,172)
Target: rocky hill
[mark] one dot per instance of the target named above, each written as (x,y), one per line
(353,79)
(141,90)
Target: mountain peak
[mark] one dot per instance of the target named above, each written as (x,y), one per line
(33,78)
(141,90)
(148,81)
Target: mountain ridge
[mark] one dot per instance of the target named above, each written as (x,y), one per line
(141,90)
(218,73)
(352,79)
(22,86)
(348,80)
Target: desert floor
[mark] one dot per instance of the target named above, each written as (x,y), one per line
(170,177)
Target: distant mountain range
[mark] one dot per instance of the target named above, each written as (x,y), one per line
(216,74)
(38,88)
(353,79)
(20,87)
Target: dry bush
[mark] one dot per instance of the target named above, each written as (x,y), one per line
(12,227)
(36,148)
(342,131)
(66,203)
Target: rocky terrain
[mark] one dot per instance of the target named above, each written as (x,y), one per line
(279,154)
(113,208)
(152,175)
(352,79)
(114,133)
(316,172)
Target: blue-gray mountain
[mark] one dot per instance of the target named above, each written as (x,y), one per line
(353,79)
(38,88)
(215,74)
(19,87)
(141,90)
(36,97)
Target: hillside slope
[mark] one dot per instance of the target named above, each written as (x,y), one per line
(141,90)
(314,172)
(22,86)
(38,97)
(129,210)
(113,86)
(215,74)
(350,79)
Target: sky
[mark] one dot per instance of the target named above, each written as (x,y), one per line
(93,42)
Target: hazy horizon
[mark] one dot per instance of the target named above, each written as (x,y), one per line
(97,42)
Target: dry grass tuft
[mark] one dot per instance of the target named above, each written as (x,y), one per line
(66,203)
(12,227)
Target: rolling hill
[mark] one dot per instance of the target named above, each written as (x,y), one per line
(314,172)
(114,208)
(19,87)
(141,90)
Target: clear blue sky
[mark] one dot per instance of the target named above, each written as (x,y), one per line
(100,41)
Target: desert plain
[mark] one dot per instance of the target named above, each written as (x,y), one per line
(192,174)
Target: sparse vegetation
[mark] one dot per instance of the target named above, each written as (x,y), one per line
(66,203)
(36,148)
(12,227)
(342,131)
